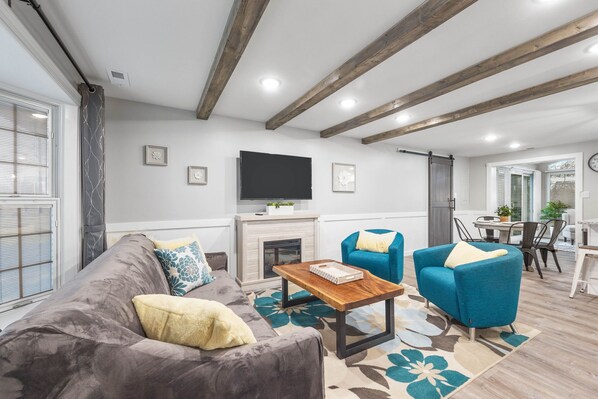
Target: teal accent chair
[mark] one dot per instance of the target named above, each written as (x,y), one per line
(386,266)
(480,294)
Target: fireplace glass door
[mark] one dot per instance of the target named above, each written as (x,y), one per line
(280,252)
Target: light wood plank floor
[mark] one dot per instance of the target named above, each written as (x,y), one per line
(561,362)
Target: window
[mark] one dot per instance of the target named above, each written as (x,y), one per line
(27,209)
(26,250)
(24,150)
(566,164)
(561,187)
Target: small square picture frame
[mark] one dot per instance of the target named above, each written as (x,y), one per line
(155,155)
(197,175)
(343,177)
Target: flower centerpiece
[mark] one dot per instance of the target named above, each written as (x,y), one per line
(504,212)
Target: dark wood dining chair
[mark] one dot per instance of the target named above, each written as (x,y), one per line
(530,239)
(463,233)
(489,236)
(558,225)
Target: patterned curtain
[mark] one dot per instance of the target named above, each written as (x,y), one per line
(93,177)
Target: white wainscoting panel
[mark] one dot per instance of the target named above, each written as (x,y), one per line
(335,228)
(218,235)
(215,235)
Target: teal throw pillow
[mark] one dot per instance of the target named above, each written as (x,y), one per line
(184,268)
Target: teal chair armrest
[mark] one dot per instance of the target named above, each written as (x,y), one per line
(489,284)
(396,252)
(348,246)
(431,257)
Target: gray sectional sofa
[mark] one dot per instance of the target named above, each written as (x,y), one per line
(86,341)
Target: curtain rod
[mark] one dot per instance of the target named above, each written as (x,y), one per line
(42,15)
(425,154)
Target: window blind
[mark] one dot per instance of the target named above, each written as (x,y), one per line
(26,251)
(500,186)
(24,161)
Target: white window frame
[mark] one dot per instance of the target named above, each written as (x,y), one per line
(40,199)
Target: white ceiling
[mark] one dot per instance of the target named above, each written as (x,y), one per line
(168,49)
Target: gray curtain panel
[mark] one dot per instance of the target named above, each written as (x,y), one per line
(93,176)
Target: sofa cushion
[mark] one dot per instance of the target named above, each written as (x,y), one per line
(368,241)
(376,263)
(199,323)
(464,253)
(225,290)
(181,242)
(184,268)
(437,284)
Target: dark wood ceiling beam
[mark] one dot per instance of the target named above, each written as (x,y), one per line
(563,36)
(420,21)
(554,86)
(242,21)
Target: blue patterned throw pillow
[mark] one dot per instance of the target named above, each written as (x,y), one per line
(184,268)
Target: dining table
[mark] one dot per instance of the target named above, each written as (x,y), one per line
(502,227)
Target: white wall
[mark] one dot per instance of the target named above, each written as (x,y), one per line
(387,181)
(477,172)
(391,187)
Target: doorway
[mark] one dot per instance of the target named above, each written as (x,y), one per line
(552,178)
(515,187)
(441,202)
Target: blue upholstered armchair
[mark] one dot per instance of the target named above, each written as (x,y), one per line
(480,294)
(387,266)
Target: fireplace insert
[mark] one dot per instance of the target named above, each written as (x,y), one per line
(280,252)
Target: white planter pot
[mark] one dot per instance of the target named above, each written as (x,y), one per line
(281,210)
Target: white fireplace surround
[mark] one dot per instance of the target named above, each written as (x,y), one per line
(254,230)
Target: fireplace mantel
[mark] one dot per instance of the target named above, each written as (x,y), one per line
(253,230)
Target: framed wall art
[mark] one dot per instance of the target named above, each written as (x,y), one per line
(197,175)
(156,155)
(343,177)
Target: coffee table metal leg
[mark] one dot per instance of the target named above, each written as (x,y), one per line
(343,350)
(286,302)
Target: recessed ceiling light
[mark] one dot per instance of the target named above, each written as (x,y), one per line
(403,118)
(593,49)
(40,116)
(491,137)
(270,84)
(514,145)
(348,103)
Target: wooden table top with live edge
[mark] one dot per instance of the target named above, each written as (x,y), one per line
(342,297)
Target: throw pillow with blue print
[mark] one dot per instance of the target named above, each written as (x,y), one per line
(184,268)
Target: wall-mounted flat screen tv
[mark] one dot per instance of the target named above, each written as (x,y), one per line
(274,176)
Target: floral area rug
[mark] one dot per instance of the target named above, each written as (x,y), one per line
(430,357)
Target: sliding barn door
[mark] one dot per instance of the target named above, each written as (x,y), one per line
(441,201)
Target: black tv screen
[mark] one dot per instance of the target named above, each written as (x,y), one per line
(273,176)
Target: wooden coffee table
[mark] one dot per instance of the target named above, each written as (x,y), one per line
(343,298)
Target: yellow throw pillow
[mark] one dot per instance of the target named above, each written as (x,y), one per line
(464,253)
(182,242)
(373,242)
(192,322)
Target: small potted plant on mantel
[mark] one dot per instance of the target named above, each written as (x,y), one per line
(504,212)
(280,208)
